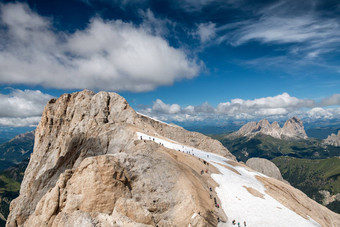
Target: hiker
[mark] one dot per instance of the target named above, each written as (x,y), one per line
(245,224)
(218,219)
(238,224)
(210,189)
(202,172)
(141,137)
(233,222)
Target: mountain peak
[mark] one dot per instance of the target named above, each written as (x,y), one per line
(293,129)
(87,142)
(333,139)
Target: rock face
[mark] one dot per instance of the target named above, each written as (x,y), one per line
(333,139)
(265,166)
(292,129)
(88,168)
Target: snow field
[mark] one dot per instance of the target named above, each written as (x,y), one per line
(237,203)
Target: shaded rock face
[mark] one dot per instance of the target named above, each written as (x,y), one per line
(292,129)
(88,168)
(333,139)
(265,166)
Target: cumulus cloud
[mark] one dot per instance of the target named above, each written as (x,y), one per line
(275,107)
(160,107)
(19,122)
(319,112)
(110,55)
(22,107)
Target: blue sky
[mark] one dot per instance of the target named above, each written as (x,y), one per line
(183,61)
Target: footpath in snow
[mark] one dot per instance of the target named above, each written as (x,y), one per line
(237,203)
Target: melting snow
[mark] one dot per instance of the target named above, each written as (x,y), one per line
(237,203)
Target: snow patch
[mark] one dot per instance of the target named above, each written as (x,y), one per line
(236,201)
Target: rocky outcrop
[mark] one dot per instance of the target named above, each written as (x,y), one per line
(265,166)
(292,129)
(328,198)
(88,168)
(333,139)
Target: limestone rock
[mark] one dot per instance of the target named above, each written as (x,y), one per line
(265,166)
(333,139)
(88,168)
(292,129)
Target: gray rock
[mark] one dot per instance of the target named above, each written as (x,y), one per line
(292,129)
(88,168)
(265,166)
(333,139)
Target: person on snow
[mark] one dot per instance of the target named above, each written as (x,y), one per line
(245,224)
(233,222)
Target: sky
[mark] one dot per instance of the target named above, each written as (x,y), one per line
(188,61)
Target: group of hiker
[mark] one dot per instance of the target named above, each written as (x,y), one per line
(238,223)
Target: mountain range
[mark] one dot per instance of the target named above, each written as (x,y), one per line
(292,129)
(98,162)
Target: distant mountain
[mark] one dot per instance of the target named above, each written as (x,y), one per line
(292,129)
(17,149)
(264,146)
(333,139)
(96,162)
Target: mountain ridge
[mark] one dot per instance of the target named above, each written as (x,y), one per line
(333,139)
(292,129)
(98,162)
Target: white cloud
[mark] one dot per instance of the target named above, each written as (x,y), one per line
(332,100)
(23,103)
(206,31)
(275,107)
(160,107)
(20,122)
(22,107)
(319,112)
(110,55)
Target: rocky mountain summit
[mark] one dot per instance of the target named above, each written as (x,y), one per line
(333,139)
(292,129)
(88,166)
(96,162)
